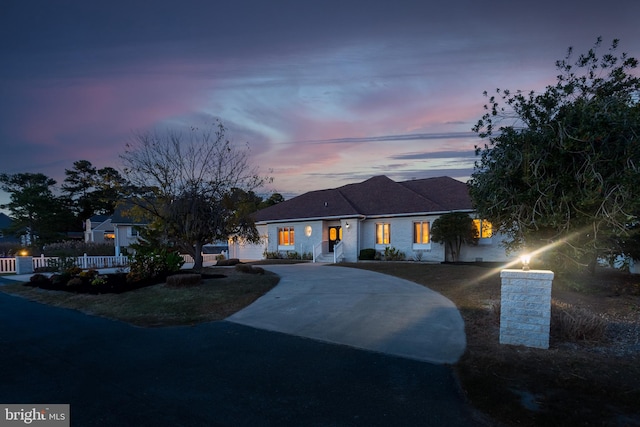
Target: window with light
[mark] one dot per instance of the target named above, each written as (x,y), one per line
(421,233)
(484,227)
(383,234)
(286,236)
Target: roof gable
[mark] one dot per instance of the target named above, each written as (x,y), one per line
(376,196)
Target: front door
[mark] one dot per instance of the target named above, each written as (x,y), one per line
(335,235)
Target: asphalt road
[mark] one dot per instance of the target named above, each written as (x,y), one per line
(213,374)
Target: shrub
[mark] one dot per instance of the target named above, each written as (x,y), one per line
(220,257)
(73,271)
(61,264)
(98,281)
(227,262)
(247,268)
(570,323)
(59,279)
(154,262)
(393,254)
(367,254)
(75,282)
(39,280)
(8,249)
(73,248)
(89,274)
(184,280)
(272,255)
(293,255)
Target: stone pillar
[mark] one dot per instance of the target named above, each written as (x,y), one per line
(24,265)
(525,307)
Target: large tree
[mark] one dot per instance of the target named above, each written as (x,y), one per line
(38,215)
(93,191)
(560,168)
(187,184)
(454,229)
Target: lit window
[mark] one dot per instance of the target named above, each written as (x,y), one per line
(484,227)
(383,234)
(286,236)
(421,233)
(109,236)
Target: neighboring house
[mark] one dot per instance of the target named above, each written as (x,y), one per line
(377,213)
(98,229)
(125,229)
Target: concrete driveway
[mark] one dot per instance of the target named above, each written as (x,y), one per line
(362,309)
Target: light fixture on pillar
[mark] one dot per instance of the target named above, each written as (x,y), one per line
(525,259)
(347,226)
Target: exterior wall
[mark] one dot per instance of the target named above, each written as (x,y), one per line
(402,238)
(489,250)
(123,237)
(302,243)
(361,234)
(250,251)
(350,235)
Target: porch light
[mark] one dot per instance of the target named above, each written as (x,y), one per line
(525,259)
(347,225)
(24,252)
(308,230)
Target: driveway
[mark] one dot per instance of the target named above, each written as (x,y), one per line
(219,373)
(362,309)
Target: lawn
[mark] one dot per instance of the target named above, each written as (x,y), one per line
(588,379)
(161,305)
(576,382)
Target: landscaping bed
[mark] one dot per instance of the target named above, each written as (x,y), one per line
(91,282)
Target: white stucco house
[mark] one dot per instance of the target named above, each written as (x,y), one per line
(336,224)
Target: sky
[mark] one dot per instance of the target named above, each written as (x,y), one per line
(326,93)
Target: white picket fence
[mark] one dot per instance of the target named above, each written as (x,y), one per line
(8,265)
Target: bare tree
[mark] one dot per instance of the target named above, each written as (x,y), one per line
(182,182)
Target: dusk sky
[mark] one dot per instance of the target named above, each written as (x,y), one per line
(326,93)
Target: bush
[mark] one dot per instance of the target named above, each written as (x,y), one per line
(39,280)
(151,263)
(61,264)
(393,254)
(570,323)
(74,248)
(293,255)
(75,282)
(9,249)
(367,254)
(184,280)
(247,268)
(73,271)
(227,262)
(59,279)
(272,255)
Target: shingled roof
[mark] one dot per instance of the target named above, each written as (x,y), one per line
(376,196)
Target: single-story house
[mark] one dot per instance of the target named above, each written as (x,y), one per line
(375,214)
